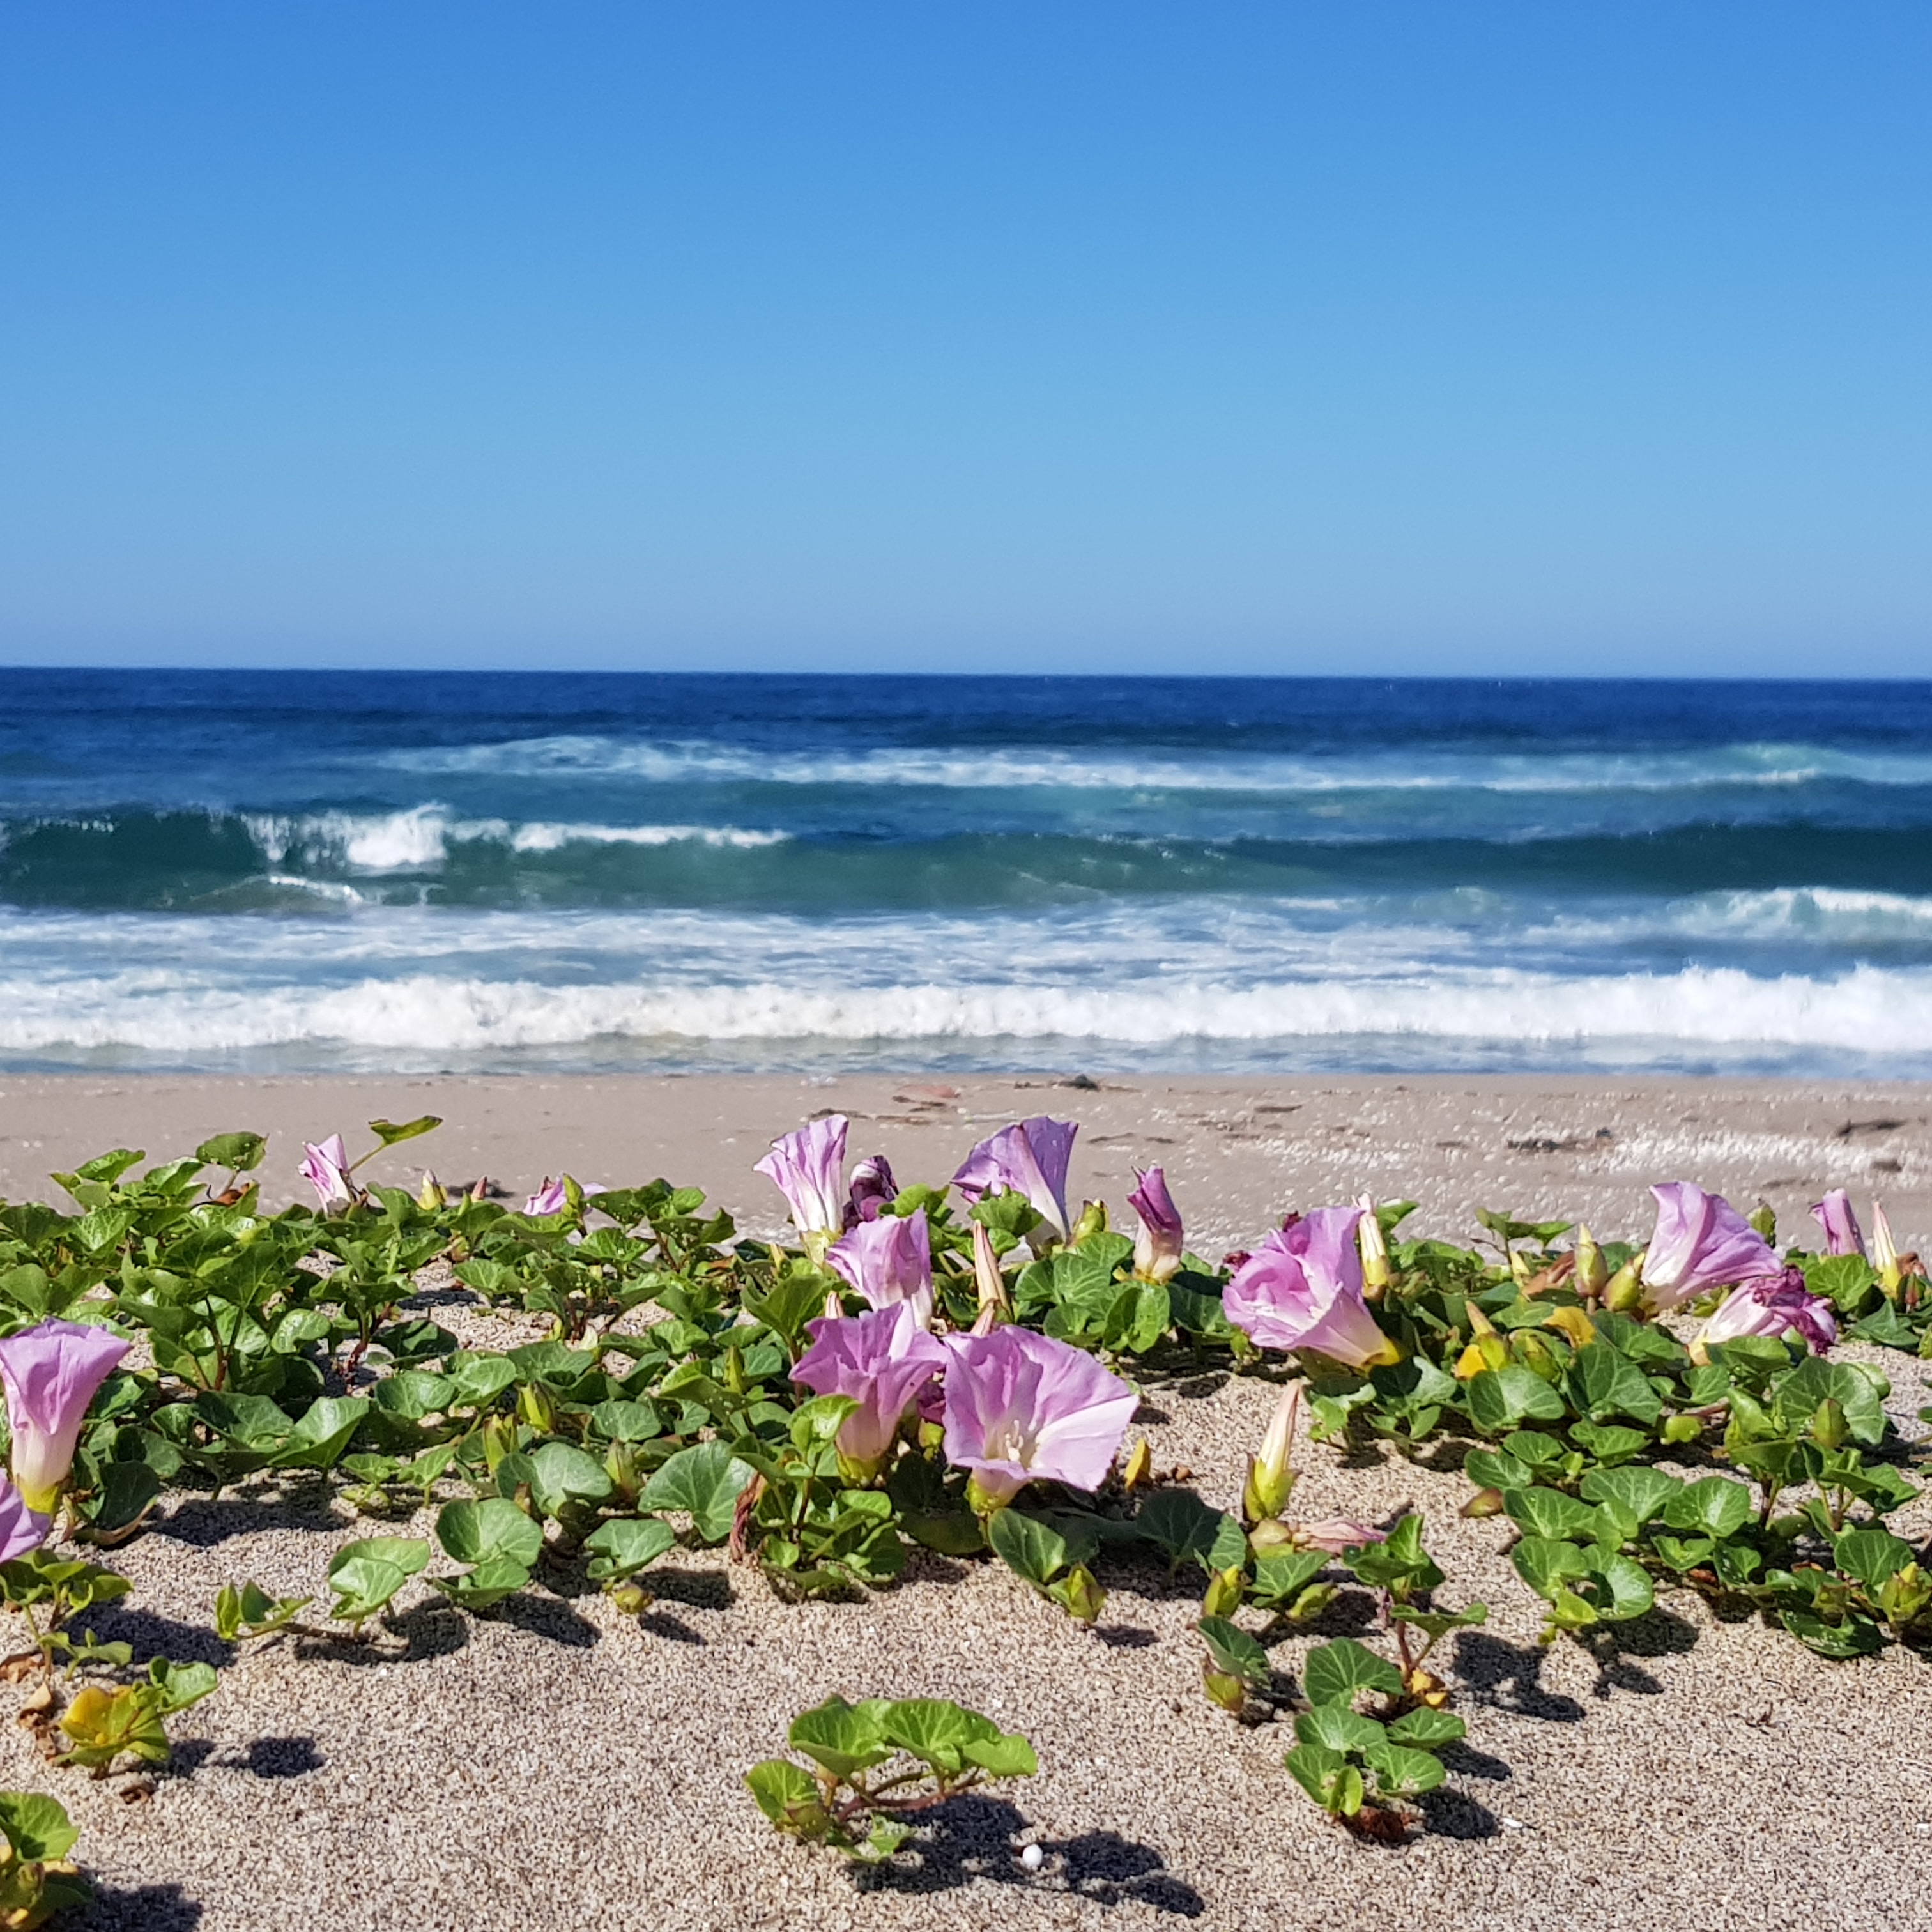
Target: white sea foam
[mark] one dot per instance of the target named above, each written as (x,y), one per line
(994,767)
(419,839)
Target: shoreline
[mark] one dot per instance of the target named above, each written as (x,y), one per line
(1238,1151)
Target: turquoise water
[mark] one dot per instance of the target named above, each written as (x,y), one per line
(228,871)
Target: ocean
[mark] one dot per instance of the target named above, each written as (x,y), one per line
(231,871)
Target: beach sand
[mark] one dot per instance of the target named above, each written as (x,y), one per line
(558,1766)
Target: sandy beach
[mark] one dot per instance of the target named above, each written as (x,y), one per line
(560,1765)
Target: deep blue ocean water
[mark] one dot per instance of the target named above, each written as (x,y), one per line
(253,870)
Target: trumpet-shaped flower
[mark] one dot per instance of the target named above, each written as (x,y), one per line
(1772,1305)
(1302,1289)
(1843,1234)
(1020,1406)
(1885,1254)
(808,1168)
(1701,1241)
(21,1529)
(1271,1473)
(51,1373)
(883,1360)
(890,1261)
(872,1192)
(1335,1534)
(553,1196)
(1158,1246)
(1030,1158)
(325,1168)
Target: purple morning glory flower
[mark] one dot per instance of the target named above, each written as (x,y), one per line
(1020,1406)
(51,1371)
(1302,1289)
(1158,1246)
(1773,1305)
(1030,1158)
(890,1261)
(1701,1241)
(325,1168)
(21,1529)
(883,1360)
(872,1192)
(1843,1234)
(553,1196)
(808,1167)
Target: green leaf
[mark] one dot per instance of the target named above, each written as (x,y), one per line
(1859,1391)
(1683,1553)
(786,1794)
(1179,1523)
(1854,1638)
(627,1421)
(1427,1729)
(37,1828)
(843,1738)
(484,1587)
(180,1684)
(1282,1576)
(935,1731)
(322,1433)
(1872,1555)
(479,1380)
(562,1473)
(1235,1653)
(366,1574)
(1031,1549)
(1550,1514)
(1009,1755)
(1327,1777)
(1139,1317)
(1638,1494)
(1846,1281)
(1403,1773)
(625,1545)
(704,1481)
(1337,1728)
(1547,1563)
(795,1299)
(1338,1671)
(392,1133)
(1626,1590)
(1500,1399)
(1714,1507)
(1603,1383)
(1609,1442)
(237,1153)
(490,1530)
(1398,1563)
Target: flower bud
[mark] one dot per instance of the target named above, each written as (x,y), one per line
(1092,1221)
(500,1438)
(1270,1535)
(535,1405)
(1223,1597)
(1229,1693)
(429,1196)
(1079,1595)
(621,1466)
(1375,1271)
(1271,1479)
(1624,1292)
(1829,1430)
(1885,1254)
(1681,1429)
(1484,1502)
(994,1306)
(632,1599)
(1593,1272)
(1519,1268)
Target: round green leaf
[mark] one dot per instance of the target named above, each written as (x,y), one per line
(492,1529)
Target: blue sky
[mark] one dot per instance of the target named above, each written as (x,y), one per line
(1476,338)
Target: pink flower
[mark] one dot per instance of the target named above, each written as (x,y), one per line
(890,1261)
(21,1529)
(51,1371)
(1029,1158)
(882,1359)
(1843,1234)
(808,1168)
(873,1190)
(553,1197)
(1021,1407)
(325,1168)
(1158,1246)
(1772,1305)
(1701,1241)
(1335,1534)
(1302,1289)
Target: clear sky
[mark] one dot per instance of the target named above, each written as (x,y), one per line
(1385,335)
